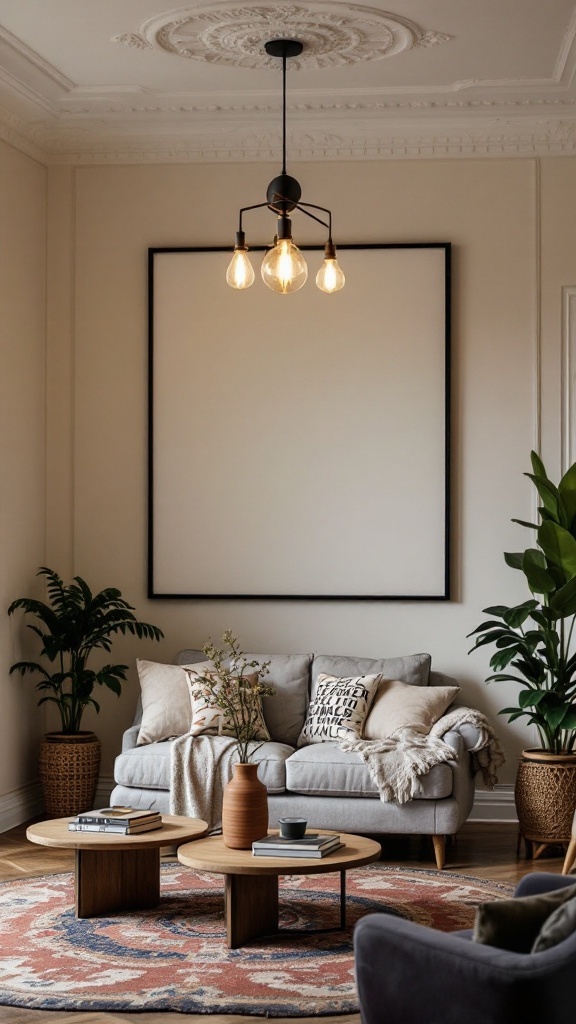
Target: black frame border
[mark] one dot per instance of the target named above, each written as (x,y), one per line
(446,595)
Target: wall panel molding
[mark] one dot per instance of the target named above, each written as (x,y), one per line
(568,394)
(494,805)
(20,805)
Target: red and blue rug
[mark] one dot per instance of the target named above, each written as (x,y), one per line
(175,957)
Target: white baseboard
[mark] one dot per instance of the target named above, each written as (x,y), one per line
(20,805)
(494,805)
(105,786)
(27,802)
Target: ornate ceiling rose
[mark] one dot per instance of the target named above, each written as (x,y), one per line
(234,35)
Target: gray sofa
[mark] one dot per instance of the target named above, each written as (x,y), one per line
(331,788)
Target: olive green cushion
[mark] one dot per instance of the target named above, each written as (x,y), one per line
(517,924)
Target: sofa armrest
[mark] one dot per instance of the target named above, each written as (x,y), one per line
(456,980)
(469,733)
(542,881)
(129,738)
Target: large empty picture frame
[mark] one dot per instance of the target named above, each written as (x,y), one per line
(299,443)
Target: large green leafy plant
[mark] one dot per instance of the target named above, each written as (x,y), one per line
(534,640)
(73,625)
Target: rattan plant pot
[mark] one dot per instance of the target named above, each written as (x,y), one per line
(545,796)
(68,768)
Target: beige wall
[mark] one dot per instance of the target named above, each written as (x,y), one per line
(487,209)
(509,222)
(22,462)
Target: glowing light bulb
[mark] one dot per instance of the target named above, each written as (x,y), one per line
(330,277)
(240,273)
(284,268)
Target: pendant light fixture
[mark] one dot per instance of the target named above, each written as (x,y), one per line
(284,267)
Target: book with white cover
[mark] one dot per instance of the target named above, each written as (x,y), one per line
(123,830)
(116,816)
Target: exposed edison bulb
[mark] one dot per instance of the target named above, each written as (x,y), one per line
(284,268)
(330,277)
(240,273)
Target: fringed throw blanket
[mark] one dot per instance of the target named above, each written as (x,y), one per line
(201,767)
(396,763)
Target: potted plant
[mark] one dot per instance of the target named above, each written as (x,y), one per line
(535,647)
(234,687)
(71,626)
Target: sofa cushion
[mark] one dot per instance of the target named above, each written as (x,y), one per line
(322,769)
(166,710)
(148,767)
(210,719)
(414,668)
(285,713)
(399,705)
(289,674)
(517,924)
(559,926)
(338,708)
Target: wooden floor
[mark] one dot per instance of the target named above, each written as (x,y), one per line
(482,850)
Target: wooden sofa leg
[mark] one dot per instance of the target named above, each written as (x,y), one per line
(570,857)
(439,851)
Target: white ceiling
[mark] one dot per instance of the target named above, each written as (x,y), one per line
(127,80)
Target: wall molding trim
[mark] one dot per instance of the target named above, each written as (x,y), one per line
(357,132)
(494,805)
(568,394)
(104,788)
(20,805)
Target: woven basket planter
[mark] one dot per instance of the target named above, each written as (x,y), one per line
(69,768)
(545,796)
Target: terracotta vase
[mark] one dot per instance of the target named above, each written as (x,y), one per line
(244,808)
(545,796)
(68,767)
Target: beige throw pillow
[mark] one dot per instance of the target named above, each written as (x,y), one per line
(338,709)
(207,718)
(400,705)
(165,701)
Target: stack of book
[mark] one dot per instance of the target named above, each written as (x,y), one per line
(125,821)
(312,844)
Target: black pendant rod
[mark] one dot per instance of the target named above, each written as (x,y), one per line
(284,111)
(284,48)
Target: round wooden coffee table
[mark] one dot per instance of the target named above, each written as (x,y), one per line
(251,893)
(115,872)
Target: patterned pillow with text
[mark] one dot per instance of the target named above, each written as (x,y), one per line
(339,708)
(211,720)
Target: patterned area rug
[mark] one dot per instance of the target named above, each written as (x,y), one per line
(175,957)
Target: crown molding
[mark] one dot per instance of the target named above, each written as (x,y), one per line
(18,134)
(51,118)
(354,138)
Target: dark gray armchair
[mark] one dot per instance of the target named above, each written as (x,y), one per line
(409,974)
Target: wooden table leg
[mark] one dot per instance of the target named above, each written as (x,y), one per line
(251,907)
(113,880)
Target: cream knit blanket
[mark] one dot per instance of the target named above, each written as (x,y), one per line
(396,763)
(200,768)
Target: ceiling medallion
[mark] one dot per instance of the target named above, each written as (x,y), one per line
(234,34)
